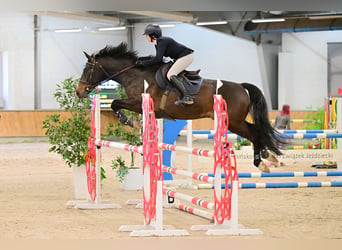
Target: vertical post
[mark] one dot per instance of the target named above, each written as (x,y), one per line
(159,206)
(160,129)
(234,218)
(98,149)
(339,129)
(189,145)
(218,186)
(218,167)
(146,167)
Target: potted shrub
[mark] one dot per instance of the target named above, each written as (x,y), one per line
(129,175)
(68,136)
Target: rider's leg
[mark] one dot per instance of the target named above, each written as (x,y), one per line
(184,98)
(180,65)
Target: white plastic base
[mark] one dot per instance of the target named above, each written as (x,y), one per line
(135,201)
(150,230)
(226,229)
(85,204)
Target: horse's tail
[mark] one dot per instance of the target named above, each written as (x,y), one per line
(267,134)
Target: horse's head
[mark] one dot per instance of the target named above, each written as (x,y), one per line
(93,74)
(116,60)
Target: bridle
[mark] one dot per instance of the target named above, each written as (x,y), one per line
(92,85)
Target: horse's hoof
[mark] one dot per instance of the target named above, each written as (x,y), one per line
(273,164)
(129,122)
(263,167)
(271,158)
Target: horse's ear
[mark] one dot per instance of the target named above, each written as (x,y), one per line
(90,59)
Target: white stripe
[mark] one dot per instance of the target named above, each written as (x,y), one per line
(302,184)
(321,135)
(326,184)
(322,173)
(299,174)
(260,185)
(253,175)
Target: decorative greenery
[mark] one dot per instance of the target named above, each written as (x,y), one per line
(317,119)
(317,123)
(131,135)
(69,137)
(241,142)
(119,165)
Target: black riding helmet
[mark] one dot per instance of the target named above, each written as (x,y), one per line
(153,30)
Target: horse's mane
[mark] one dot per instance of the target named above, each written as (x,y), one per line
(120,52)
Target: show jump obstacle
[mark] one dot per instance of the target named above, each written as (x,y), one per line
(225,203)
(153,184)
(93,165)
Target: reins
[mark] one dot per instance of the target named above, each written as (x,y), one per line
(106,73)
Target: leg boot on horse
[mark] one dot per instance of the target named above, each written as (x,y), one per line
(185,98)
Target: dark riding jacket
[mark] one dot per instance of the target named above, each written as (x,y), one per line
(167,47)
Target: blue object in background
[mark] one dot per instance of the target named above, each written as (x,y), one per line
(171,130)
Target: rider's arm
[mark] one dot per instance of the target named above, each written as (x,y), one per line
(160,51)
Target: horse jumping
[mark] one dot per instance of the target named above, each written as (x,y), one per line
(118,63)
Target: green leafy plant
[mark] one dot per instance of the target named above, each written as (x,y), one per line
(69,137)
(241,142)
(317,119)
(119,165)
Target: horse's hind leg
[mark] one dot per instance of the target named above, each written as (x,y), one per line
(260,150)
(248,131)
(269,157)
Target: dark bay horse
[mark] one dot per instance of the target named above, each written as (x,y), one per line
(118,63)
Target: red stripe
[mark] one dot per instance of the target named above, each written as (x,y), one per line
(195,200)
(205,153)
(205,204)
(191,210)
(196,176)
(195,151)
(205,178)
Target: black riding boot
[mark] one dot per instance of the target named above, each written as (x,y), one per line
(184,97)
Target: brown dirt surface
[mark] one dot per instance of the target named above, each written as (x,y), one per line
(36,184)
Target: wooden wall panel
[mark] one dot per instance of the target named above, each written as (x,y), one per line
(29,123)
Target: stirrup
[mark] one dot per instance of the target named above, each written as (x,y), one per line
(185,100)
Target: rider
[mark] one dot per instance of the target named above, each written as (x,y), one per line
(166,46)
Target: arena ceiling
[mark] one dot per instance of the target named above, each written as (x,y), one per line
(238,23)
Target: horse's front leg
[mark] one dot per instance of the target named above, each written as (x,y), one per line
(129,104)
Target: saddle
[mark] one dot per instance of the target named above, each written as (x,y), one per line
(191,80)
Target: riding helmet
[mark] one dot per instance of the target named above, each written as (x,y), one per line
(154,30)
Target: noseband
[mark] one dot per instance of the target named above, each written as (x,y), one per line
(92,85)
